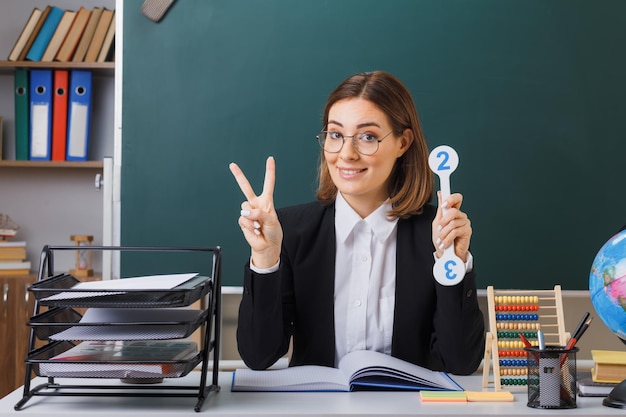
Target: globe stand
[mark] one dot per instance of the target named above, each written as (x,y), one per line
(617,397)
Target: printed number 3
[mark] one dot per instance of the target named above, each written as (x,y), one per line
(449,268)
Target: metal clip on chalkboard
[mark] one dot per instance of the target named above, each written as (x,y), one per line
(55,293)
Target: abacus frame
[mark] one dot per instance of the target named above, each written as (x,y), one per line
(550,320)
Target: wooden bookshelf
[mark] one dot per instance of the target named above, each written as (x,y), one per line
(51,164)
(98,68)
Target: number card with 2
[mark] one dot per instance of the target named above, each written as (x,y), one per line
(449,269)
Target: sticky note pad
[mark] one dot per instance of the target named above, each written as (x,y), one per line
(443,396)
(489,396)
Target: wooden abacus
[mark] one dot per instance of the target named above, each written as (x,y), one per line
(512,312)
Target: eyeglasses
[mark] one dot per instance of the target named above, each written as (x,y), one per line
(364,143)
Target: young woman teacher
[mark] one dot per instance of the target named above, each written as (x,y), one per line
(353,270)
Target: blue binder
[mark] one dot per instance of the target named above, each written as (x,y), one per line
(37,49)
(40,114)
(78,115)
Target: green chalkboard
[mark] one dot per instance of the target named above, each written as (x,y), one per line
(530,93)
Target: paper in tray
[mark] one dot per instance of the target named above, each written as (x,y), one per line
(43,364)
(66,291)
(54,320)
(117,323)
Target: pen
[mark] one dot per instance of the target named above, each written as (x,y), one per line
(578,333)
(584,328)
(580,330)
(541,340)
(525,341)
(580,325)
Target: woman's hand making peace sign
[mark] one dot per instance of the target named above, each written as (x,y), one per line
(258,220)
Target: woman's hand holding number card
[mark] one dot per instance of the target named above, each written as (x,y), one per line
(449,269)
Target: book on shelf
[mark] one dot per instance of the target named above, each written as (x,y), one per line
(143,356)
(33,35)
(87,36)
(14,272)
(12,253)
(68,47)
(13,258)
(37,49)
(8,265)
(59,36)
(14,267)
(358,370)
(108,44)
(608,365)
(99,34)
(12,244)
(25,34)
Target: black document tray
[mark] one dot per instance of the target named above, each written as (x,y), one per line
(124,305)
(43,365)
(179,296)
(58,319)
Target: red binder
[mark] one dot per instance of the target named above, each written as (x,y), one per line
(59,115)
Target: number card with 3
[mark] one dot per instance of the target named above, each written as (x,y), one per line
(449,269)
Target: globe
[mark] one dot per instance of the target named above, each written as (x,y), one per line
(607,284)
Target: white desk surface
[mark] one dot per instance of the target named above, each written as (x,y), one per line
(227,403)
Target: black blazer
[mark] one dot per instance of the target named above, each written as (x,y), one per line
(435,326)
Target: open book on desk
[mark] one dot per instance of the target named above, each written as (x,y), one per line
(357,371)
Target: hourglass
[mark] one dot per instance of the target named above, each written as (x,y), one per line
(83,256)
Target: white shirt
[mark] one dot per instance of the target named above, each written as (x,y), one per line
(365,279)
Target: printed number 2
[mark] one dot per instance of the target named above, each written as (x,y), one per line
(443,165)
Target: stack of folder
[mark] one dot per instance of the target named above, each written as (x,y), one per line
(52,114)
(53,107)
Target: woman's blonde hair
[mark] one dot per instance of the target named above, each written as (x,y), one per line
(411,180)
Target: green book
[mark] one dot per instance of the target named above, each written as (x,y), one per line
(21,114)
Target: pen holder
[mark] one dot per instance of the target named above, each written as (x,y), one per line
(551,377)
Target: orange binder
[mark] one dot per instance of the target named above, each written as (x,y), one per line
(59,114)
